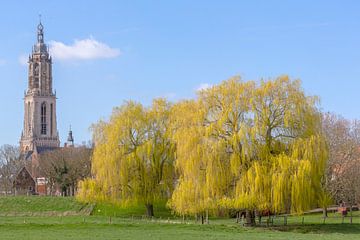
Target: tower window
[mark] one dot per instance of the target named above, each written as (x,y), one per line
(29,117)
(51,119)
(43,118)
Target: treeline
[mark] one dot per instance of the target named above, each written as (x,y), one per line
(61,167)
(342,172)
(238,145)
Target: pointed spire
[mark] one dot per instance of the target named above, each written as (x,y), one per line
(40,46)
(40,33)
(70,139)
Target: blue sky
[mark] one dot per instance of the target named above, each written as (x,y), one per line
(145,49)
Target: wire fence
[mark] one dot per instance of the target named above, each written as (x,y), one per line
(268,221)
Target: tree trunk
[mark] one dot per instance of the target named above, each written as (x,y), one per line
(250,218)
(207,216)
(149,210)
(325,212)
(63,192)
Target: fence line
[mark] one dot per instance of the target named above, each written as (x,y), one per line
(266,221)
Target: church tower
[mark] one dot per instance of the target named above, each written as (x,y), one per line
(39,128)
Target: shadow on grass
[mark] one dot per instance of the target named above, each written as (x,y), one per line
(321,228)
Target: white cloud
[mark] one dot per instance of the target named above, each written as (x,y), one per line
(203,86)
(84,49)
(2,62)
(23,60)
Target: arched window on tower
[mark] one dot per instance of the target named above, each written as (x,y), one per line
(29,117)
(51,118)
(36,76)
(43,118)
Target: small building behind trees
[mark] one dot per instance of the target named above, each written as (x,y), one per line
(24,184)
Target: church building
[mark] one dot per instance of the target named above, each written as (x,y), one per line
(39,132)
(40,128)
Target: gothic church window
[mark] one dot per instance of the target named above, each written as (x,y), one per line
(36,75)
(51,119)
(29,117)
(36,69)
(43,118)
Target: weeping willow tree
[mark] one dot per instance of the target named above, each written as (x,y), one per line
(133,157)
(247,146)
(238,145)
(211,137)
(288,151)
(192,194)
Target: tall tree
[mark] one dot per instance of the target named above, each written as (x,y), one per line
(192,194)
(343,167)
(10,163)
(289,152)
(133,156)
(64,167)
(249,147)
(211,137)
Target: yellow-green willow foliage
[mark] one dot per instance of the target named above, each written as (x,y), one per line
(244,145)
(192,194)
(90,191)
(239,145)
(289,152)
(133,156)
(211,136)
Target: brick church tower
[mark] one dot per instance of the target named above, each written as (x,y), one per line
(39,128)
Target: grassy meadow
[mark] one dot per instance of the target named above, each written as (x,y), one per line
(42,206)
(65,218)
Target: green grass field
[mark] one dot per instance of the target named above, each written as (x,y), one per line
(41,206)
(33,221)
(105,209)
(99,227)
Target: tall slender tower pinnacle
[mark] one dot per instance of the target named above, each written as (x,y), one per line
(70,139)
(39,128)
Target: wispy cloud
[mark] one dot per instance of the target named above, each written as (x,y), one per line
(203,86)
(85,49)
(23,59)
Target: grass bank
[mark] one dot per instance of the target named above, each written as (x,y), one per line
(42,205)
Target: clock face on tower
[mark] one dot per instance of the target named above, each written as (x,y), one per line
(40,27)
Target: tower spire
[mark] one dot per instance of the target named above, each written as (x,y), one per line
(70,139)
(40,32)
